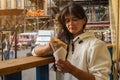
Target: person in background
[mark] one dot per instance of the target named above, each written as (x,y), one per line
(12,52)
(32,43)
(12,45)
(87,57)
(11,38)
(6,46)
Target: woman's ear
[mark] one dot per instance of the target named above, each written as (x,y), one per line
(84,20)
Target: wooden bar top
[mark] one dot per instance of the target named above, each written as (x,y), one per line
(16,65)
(19,64)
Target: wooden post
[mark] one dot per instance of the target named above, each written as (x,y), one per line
(14,76)
(42,73)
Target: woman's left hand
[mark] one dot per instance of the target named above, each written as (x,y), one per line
(63,66)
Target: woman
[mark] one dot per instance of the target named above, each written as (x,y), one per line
(6,46)
(87,57)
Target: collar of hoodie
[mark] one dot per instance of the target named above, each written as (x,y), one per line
(83,36)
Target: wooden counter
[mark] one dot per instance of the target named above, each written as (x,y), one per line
(16,65)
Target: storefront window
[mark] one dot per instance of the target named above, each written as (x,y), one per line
(8,4)
(18,3)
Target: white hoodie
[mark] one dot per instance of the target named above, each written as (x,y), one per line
(91,55)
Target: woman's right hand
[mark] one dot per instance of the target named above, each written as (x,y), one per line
(56,43)
(64,66)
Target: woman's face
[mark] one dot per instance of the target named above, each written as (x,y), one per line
(74,24)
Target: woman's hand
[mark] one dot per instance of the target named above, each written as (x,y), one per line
(64,66)
(67,67)
(56,43)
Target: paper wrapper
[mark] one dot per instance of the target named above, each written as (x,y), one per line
(57,43)
(60,53)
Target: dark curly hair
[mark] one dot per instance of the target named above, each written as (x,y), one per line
(72,8)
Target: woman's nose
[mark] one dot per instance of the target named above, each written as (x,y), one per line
(71,22)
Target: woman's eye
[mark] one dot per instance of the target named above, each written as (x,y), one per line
(75,19)
(67,20)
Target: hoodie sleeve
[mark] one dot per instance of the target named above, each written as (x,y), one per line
(33,52)
(99,61)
